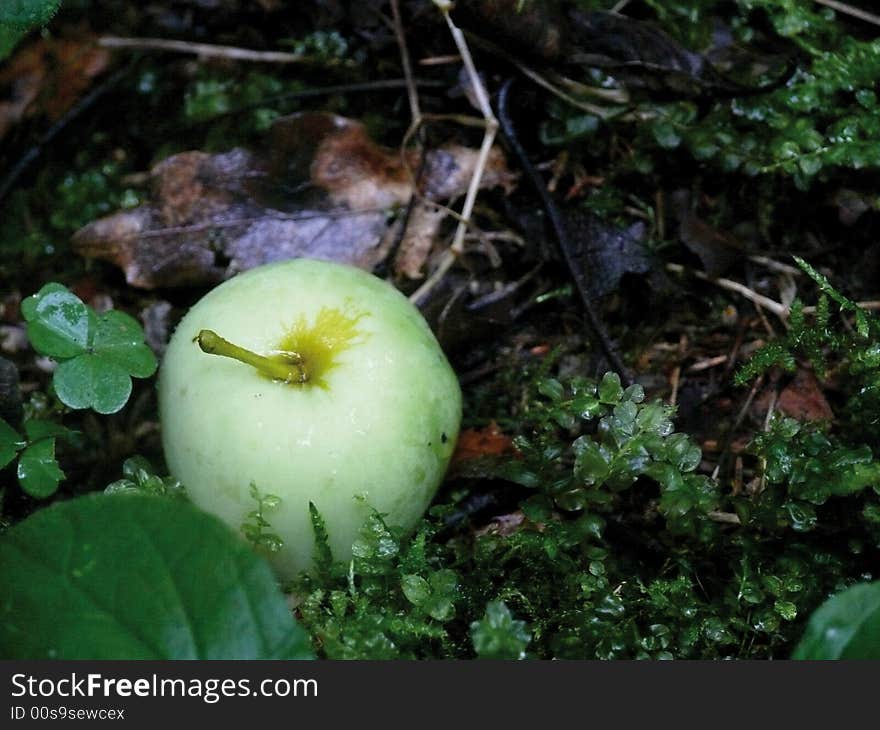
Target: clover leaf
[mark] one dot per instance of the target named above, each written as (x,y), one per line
(10,443)
(97,355)
(38,471)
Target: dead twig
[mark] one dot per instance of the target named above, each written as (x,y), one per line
(561,235)
(490,124)
(204,50)
(411,91)
(728,518)
(780,310)
(872,305)
(740,417)
(850,10)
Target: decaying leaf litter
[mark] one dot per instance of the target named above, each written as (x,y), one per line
(685,258)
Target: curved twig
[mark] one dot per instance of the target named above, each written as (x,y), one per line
(560,233)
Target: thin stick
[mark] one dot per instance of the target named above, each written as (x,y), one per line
(780,310)
(206,50)
(708,363)
(871,305)
(675,379)
(491,127)
(411,92)
(776,265)
(530,73)
(488,138)
(728,439)
(728,518)
(585,106)
(558,225)
(850,10)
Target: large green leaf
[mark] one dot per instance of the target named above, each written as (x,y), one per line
(27,13)
(132,577)
(846,626)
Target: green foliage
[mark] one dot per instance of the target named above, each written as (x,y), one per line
(846,626)
(93,188)
(817,339)
(498,635)
(619,439)
(389,602)
(256,527)
(435,595)
(615,552)
(322,46)
(28,13)
(38,470)
(138,578)
(97,355)
(613,541)
(139,477)
(821,119)
(212,96)
(812,467)
(17,17)
(854,350)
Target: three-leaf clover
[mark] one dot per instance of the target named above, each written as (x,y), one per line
(38,471)
(97,355)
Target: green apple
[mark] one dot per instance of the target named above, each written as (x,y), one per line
(333,390)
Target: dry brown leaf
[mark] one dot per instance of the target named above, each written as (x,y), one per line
(803,399)
(475,443)
(319,188)
(48,76)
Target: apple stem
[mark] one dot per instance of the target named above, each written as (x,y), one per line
(288,370)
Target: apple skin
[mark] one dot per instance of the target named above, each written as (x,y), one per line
(376,432)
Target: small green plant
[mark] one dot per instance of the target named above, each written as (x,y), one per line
(139,477)
(498,635)
(618,439)
(256,527)
(392,600)
(97,355)
(38,471)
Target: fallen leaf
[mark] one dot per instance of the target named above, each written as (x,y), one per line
(319,187)
(475,443)
(718,251)
(606,253)
(505,525)
(803,399)
(48,76)
(639,53)
(852,205)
